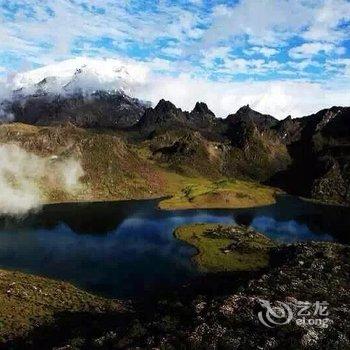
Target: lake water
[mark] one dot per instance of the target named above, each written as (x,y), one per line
(125,249)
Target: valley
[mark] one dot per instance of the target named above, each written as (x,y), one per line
(168,150)
(189,220)
(175,175)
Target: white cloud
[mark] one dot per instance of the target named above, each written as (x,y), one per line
(21,174)
(264,22)
(140,79)
(193,36)
(273,22)
(214,53)
(231,65)
(308,50)
(172,51)
(196,2)
(341,67)
(326,19)
(265,51)
(55,35)
(278,98)
(299,66)
(220,59)
(5,116)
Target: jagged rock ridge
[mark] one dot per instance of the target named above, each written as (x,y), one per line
(319,146)
(100,109)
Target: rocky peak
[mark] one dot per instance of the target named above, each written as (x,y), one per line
(288,129)
(326,116)
(244,110)
(243,133)
(201,116)
(202,108)
(245,113)
(164,106)
(165,114)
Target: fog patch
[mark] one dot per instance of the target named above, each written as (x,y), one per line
(25,178)
(6,117)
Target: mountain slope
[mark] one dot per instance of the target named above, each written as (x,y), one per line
(115,169)
(112,169)
(319,146)
(100,109)
(308,156)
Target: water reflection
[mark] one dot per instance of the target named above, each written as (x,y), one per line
(127,248)
(296,231)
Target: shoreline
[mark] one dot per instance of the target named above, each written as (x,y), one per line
(92,201)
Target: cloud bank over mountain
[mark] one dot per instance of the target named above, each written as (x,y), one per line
(138,79)
(293,54)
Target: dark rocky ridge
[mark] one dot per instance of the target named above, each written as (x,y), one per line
(166,116)
(248,115)
(319,146)
(100,109)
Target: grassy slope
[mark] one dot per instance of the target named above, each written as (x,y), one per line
(28,301)
(113,170)
(201,193)
(117,170)
(250,249)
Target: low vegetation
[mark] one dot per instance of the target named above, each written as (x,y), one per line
(28,301)
(200,194)
(116,169)
(226,248)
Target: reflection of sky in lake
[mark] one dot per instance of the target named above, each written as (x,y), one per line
(128,248)
(286,231)
(137,255)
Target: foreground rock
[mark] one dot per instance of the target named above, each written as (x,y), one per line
(313,273)
(221,311)
(225,316)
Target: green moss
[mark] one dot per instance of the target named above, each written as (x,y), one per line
(226,248)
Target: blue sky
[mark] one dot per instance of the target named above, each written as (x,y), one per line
(221,42)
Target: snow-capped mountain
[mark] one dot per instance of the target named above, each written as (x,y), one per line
(86,92)
(81,74)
